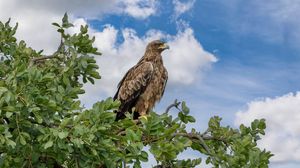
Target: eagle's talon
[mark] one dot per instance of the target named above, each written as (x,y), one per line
(144,117)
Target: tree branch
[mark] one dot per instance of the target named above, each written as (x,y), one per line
(197,137)
(54,55)
(200,138)
(175,104)
(35,60)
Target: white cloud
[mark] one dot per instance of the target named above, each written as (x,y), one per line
(139,8)
(282,115)
(87,8)
(187,58)
(181,7)
(35,16)
(273,21)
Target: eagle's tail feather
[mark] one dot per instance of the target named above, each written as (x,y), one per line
(120,115)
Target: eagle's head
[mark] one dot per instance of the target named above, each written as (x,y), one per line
(157,46)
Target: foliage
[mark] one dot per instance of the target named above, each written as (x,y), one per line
(43,124)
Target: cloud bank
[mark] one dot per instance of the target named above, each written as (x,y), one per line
(181,7)
(282,115)
(274,21)
(140,9)
(35,16)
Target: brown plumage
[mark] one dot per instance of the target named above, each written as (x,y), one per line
(144,84)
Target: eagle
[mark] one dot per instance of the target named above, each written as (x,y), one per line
(144,84)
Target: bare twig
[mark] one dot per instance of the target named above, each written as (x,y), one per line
(200,138)
(196,136)
(124,163)
(204,145)
(35,60)
(17,122)
(121,132)
(206,132)
(54,55)
(175,104)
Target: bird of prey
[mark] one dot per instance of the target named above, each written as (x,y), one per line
(144,84)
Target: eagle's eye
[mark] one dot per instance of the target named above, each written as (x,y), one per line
(159,44)
(162,46)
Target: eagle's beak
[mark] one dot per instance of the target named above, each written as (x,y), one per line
(164,46)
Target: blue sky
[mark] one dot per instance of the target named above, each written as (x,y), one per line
(236,59)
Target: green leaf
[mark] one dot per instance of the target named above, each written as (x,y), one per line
(214,122)
(62,135)
(48,144)
(11,143)
(191,119)
(131,135)
(185,109)
(48,77)
(65,122)
(52,103)
(91,60)
(68,25)
(34,109)
(8,114)
(8,97)
(77,142)
(83,29)
(56,24)
(91,80)
(254,124)
(144,156)
(262,124)
(35,157)
(83,63)
(38,118)
(61,31)
(3,90)
(66,80)
(22,140)
(94,152)
(65,19)
(95,74)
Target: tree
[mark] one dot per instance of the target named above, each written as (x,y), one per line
(43,124)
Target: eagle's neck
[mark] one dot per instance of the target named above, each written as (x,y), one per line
(151,56)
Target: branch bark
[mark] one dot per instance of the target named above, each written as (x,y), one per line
(175,104)
(35,60)
(201,138)
(197,137)
(54,55)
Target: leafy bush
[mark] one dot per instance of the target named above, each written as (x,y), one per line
(42,122)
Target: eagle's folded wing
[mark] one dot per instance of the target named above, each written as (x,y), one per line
(133,85)
(164,81)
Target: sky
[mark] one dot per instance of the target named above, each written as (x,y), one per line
(235,59)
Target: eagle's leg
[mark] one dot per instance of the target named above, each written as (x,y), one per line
(143,114)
